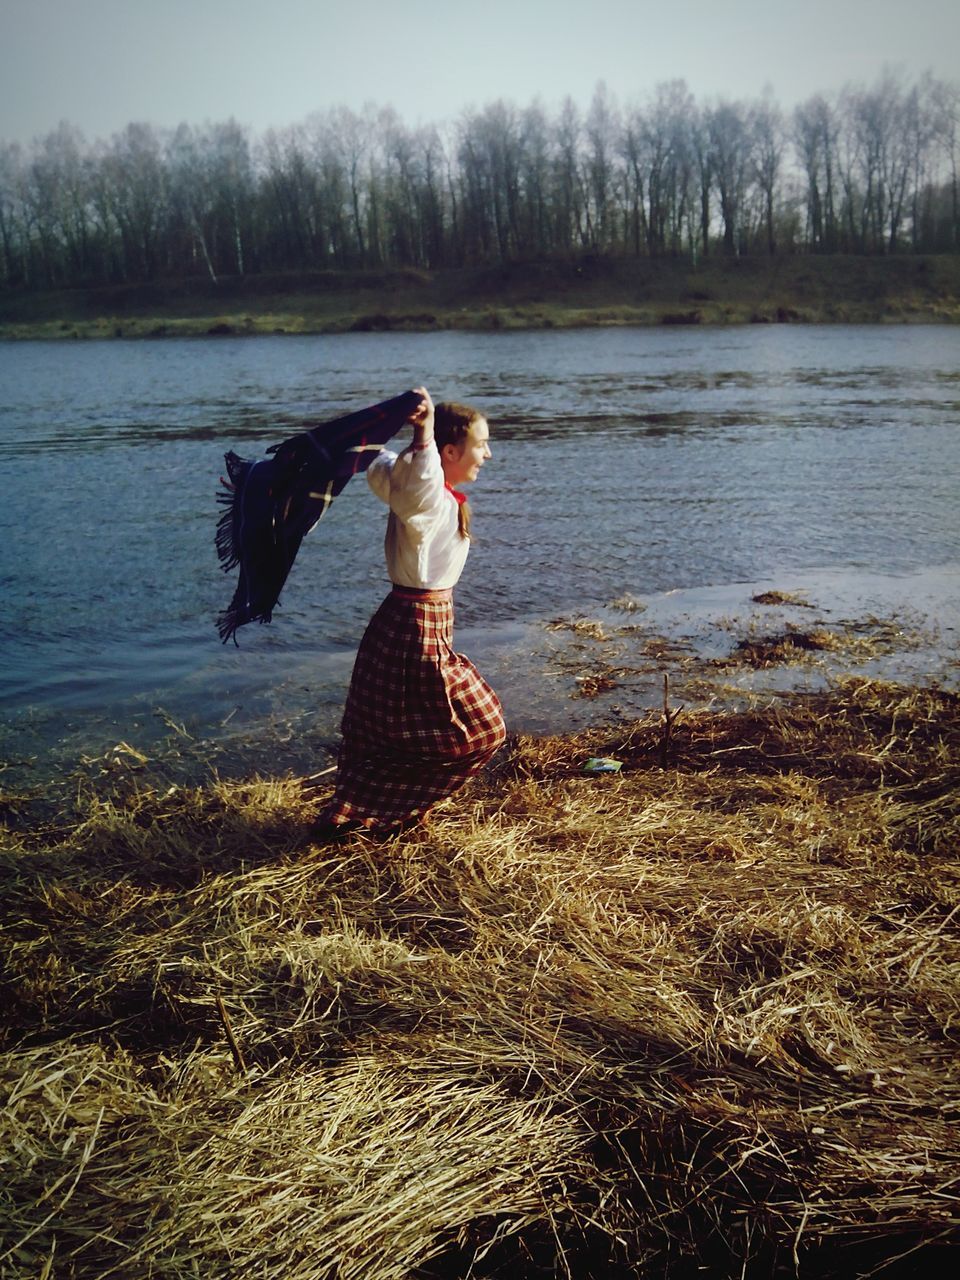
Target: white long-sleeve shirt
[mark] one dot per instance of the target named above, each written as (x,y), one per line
(423,544)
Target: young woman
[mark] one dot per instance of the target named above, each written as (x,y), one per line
(419,719)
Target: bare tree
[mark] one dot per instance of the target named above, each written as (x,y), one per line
(768,148)
(570,211)
(815,138)
(877,166)
(355,137)
(601,129)
(231,176)
(330,218)
(14,236)
(433,163)
(945,105)
(489,154)
(730,141)
(703,162)
(536,159)
(632,140)
(671,163)
(136,186)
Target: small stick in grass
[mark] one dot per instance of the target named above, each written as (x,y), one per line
(310,782)
(668,719)
(238,1061)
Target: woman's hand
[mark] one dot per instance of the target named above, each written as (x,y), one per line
(422,418)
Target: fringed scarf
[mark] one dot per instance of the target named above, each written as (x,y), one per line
(272,504)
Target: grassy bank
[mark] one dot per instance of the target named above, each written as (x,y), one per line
(592,291)
(698,1017)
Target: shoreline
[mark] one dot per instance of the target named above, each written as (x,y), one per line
(493,320)
(592,292)
(576,672)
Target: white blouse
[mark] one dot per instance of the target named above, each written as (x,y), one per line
(423,543)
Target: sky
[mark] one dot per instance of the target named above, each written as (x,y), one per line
(103,64)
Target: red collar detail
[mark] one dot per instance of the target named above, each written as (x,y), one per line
(460,497)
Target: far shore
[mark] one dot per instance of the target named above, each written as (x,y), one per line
(554,294)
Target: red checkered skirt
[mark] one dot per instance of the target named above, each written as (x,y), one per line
(419,720)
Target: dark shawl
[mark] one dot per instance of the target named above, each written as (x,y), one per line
(272,504)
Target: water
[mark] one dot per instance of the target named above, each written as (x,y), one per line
(626,461)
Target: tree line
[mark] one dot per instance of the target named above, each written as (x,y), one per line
(868,170)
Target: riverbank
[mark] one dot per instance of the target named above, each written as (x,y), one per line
(552,294)
(696,1016)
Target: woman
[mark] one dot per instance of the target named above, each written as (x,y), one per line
(419,719)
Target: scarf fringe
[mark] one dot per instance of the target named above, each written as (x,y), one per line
(233,617)
(229,549)
(228,544)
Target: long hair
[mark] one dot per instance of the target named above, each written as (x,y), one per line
(451,424)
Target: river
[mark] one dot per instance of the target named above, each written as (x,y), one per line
(671,466)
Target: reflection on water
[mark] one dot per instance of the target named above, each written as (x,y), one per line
(625,461)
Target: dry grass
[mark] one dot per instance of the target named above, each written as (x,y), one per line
(699,1019)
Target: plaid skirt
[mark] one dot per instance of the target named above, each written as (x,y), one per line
(419,718)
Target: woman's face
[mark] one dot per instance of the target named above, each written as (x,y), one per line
(462,462)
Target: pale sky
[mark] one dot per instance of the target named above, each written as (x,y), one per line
(101,64)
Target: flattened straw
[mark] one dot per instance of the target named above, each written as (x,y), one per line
(635,1012)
